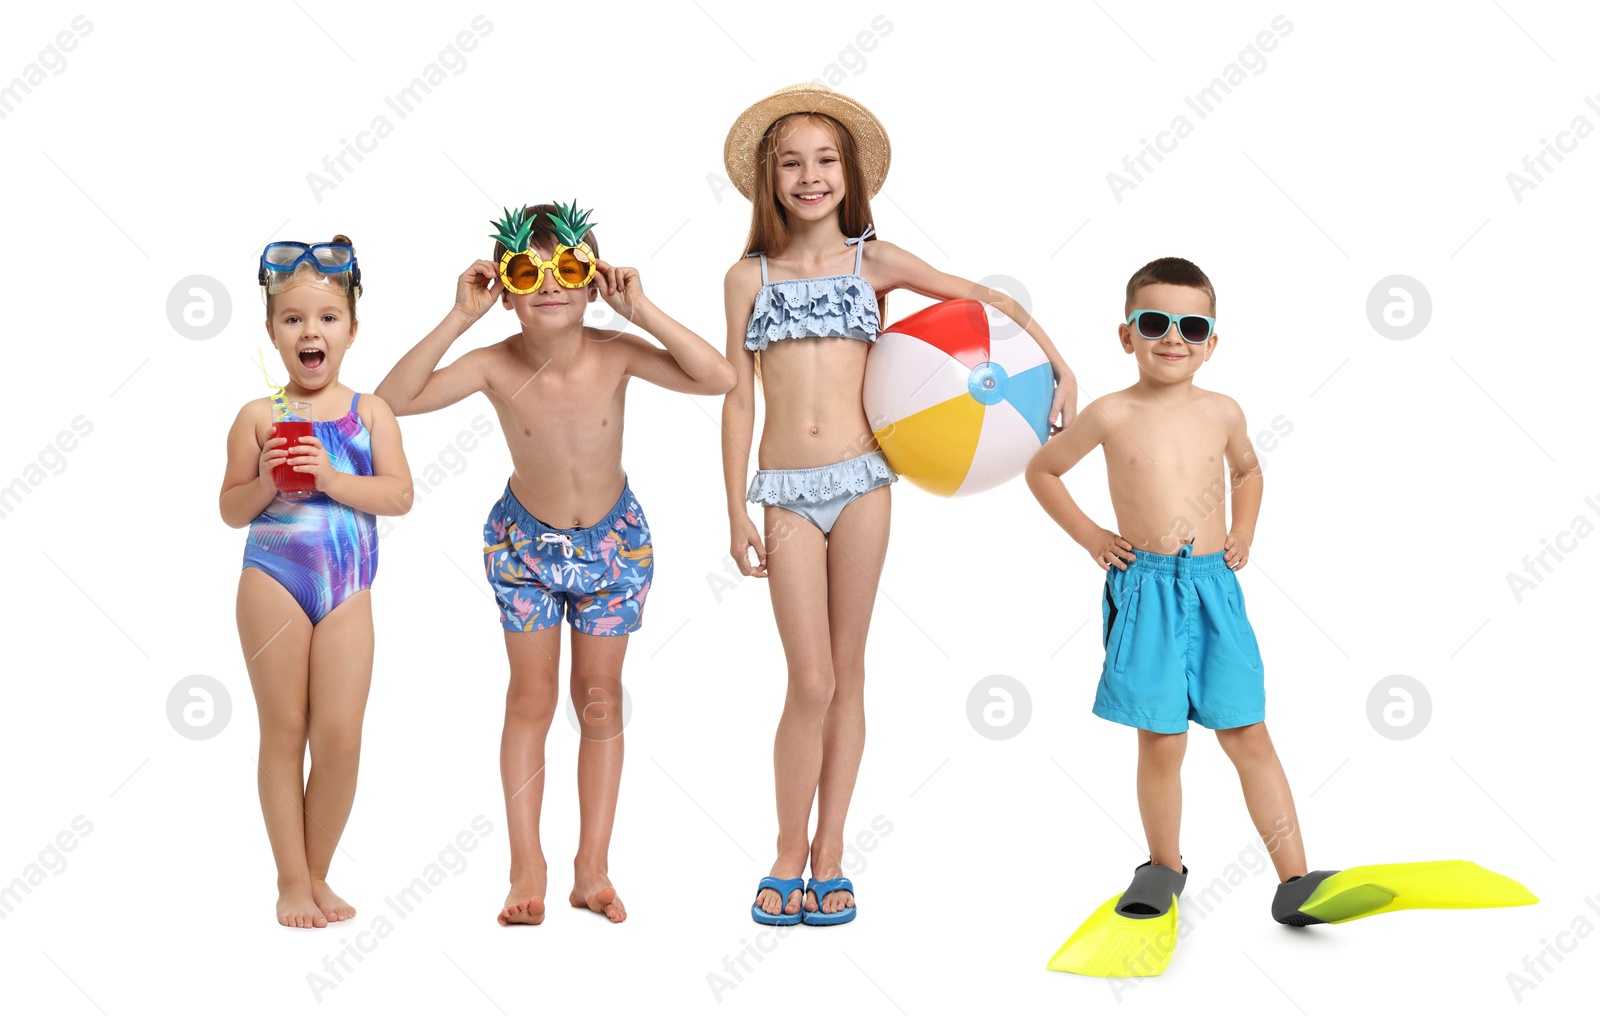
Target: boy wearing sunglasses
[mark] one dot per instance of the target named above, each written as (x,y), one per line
(567,538)
(1179,646)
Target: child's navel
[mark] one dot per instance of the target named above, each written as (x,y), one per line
(526,432)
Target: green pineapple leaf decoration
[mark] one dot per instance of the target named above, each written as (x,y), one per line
(515,230)
(570,223)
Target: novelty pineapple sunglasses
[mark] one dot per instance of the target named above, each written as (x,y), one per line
(522,269)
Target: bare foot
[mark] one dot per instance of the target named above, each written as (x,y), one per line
(524,903)
(333,907)
(297,908)
(597,893)
(768,900)
(833,902)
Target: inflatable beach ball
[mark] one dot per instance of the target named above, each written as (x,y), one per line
(958,396)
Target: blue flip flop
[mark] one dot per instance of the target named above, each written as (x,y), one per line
(783,887)
(823,888)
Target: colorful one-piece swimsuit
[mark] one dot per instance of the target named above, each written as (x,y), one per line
(322,551)
(833,306)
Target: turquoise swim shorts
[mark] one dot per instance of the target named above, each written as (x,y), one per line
(1178,646)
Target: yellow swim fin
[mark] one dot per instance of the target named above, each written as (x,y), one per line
(1333,897)
(1133,934)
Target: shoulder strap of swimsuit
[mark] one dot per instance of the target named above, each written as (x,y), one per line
(859,242)
(355,400)
(762,255)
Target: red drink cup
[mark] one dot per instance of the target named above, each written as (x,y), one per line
(292,420)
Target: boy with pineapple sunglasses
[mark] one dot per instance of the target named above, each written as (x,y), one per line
(568,537)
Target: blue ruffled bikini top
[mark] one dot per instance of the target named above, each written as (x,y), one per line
(831,306)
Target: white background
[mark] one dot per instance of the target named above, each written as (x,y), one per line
(1417,475)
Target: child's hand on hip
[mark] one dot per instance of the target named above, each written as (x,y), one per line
(1235,552)
(1107,549)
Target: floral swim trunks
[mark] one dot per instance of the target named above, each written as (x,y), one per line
(598,576)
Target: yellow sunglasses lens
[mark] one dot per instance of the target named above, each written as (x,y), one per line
(521,274)
(573,269)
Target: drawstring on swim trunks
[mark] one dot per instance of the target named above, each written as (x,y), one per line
(559,538)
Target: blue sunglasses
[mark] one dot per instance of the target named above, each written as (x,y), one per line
(285,256)
(1154,324)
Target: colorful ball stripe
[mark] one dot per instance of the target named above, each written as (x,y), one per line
(958,396)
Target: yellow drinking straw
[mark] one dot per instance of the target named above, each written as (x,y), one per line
(277,390)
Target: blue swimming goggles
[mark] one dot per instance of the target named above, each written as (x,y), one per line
(282,258)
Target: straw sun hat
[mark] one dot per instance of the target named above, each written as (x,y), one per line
(740,151)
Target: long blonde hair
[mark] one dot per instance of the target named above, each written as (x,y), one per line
(769,223)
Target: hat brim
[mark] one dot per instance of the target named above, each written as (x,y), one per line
(741,150)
